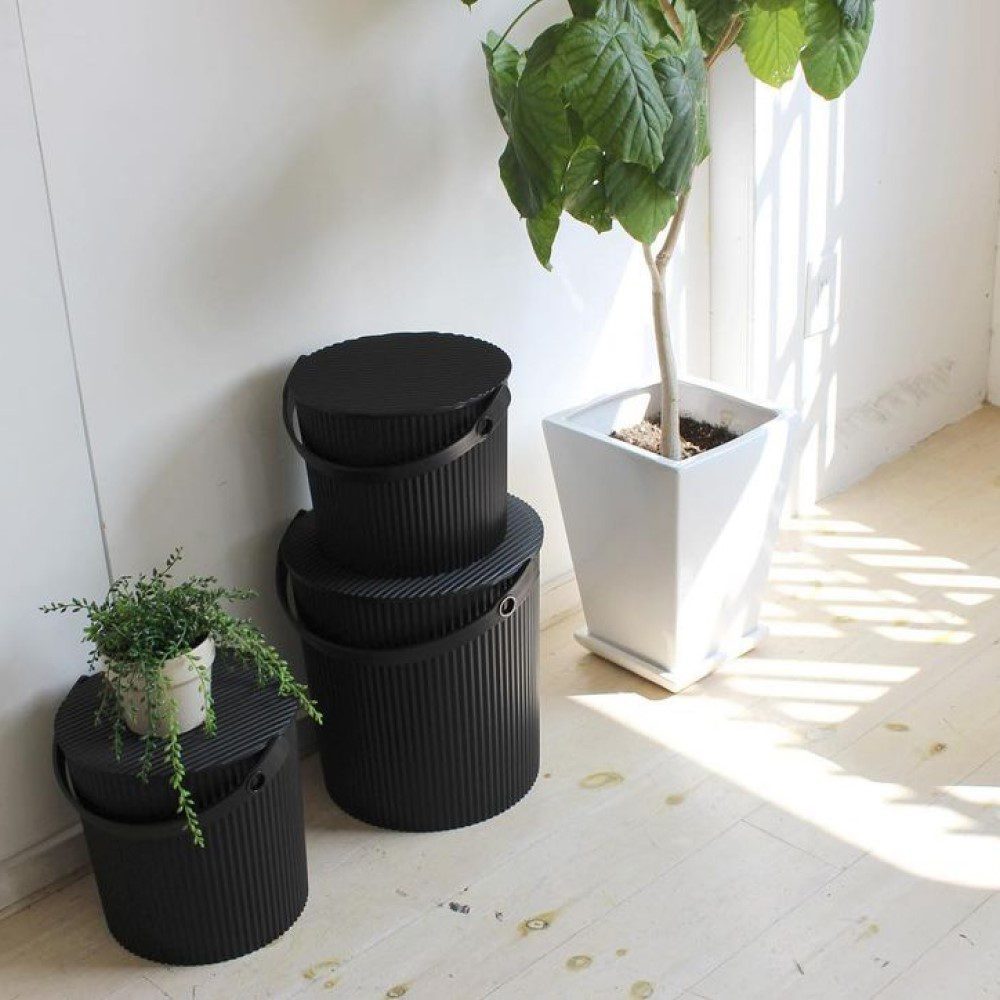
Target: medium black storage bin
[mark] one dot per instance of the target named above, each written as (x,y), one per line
(438,734)
(379,612)
(405,440)
(164,898)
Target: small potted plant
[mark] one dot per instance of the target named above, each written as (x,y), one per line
(156,642)
(670,492)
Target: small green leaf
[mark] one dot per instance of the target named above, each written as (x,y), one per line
(584,195)
(771,41)
(517,183)
(611,86)
(644,17)
(637,201)
(855,12)
(834,49)
(503,64)
(713,18)
(542,231)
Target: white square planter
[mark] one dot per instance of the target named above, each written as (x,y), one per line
(671,557)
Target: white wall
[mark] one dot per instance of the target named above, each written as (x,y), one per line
(888,198)
(51,537)
(233,184)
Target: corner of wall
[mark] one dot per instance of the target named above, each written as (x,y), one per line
(993,378)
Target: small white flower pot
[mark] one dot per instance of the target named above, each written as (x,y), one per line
(671,557)
(183,688)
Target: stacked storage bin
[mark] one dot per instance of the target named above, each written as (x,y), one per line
(163,898)
(414,581)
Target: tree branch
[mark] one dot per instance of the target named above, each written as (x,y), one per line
(513,24)
(673,234)
(674,21)
(728,37)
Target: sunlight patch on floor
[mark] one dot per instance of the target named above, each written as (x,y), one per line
(890,821)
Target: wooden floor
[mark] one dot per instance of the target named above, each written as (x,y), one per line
(820,819)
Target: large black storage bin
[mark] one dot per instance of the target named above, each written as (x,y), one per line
(380,612)
(440,733)
(164,898)
(405,440)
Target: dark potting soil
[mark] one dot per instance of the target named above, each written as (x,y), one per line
(696,436)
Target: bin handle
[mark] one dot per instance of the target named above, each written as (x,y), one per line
(503,609)
(485,424)
(266,768)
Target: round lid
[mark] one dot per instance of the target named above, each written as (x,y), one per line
(248,717)
(398,374)
(301,554)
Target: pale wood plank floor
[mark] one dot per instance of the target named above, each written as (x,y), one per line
(820,819)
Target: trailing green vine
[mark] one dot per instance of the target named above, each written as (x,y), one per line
(144,621)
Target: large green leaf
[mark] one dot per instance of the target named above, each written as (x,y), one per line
(611,86)
(771,41)
(539,127)
(713,18)
(584,196)
(542,231)
(834,49)
(637,201)
(683,78)
(855,12)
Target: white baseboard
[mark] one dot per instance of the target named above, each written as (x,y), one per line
(559,597)
(32,871)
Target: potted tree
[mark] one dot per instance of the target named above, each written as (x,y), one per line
(156,643)
(606,117)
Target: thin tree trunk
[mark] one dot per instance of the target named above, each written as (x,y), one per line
(670,414)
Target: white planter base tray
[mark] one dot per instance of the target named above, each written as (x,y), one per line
(668,677)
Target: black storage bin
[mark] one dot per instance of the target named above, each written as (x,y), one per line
(164,898)
(441,733)
(379,612)
(405,439)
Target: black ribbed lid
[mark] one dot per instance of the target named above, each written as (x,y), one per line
(396,374)
(301,554)
(247,716)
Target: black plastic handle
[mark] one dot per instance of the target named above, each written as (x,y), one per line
(503,609)
(485,424)
(266,768)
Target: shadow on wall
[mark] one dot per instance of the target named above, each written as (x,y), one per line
(800,225)
(871,304)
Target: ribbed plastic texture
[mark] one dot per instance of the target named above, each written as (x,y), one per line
(163,898)
(249,717)
(438,743)
(428,389)
(380,612)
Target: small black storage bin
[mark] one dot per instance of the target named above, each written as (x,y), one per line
(380,612)
(439,733)
(405,440)
(164,898)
